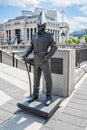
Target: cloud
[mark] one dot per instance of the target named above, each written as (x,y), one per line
(22,3)
(5,20)
(65,3)
(77,23)
(83,9)
(57,3)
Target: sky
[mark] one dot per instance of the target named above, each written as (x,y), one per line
(75,10)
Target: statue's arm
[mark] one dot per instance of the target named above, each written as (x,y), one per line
(53,47)
(29,51)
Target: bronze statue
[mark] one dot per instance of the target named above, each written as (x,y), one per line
(40,46)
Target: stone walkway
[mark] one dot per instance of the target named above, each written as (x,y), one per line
(14,87)
(72,114)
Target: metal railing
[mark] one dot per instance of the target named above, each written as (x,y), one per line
(81,53)
(81,56)
(14,46)
(71,46)
(12,59)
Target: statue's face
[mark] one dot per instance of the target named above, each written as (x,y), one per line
(40,28)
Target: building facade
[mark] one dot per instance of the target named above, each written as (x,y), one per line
(23,27)
(1,33)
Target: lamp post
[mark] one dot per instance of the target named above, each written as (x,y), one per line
(62,12)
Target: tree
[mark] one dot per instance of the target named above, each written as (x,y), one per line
(85,38)
(74,40)
(78,41)
(68,41)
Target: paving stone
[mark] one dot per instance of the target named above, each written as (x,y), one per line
(9,107)
(81,92)
(4,100)
(46,128)
(1,122)
(2,94)
(80,96)
(77,106)
(17,96)
(60,125)
(4,97)
(14,90)
(4,115)
(79,101)
(23,121)
(71,119)
(9,88)
(82,89)
(75,112)
(13,101)
(83,86)
(5,86)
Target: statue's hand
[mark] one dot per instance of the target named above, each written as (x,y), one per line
(24,58)
(45,58)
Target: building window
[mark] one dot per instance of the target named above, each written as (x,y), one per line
(16,23)
(27,22)
(34,21)
(8,24)
(30,22)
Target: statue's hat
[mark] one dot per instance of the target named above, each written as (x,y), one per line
(41,19)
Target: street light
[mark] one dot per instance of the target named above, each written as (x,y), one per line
(62,12)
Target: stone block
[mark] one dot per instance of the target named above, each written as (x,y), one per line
(38,106)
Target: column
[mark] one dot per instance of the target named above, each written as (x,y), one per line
(12,36)
(29,34)
(33,31)
(58,37)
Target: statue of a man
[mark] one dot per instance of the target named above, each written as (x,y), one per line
(40,46)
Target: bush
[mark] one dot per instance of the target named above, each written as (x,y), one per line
(85,38)
(68,41)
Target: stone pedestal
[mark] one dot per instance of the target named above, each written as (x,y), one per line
(38,106)
(62,68)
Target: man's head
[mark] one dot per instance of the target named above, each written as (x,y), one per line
(41,22)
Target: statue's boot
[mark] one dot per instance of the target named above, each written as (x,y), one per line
(32,98)
(48,100)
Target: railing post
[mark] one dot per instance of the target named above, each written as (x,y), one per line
(16,63)
(1,56)
(13,60)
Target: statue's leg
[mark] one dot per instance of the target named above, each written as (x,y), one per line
(47,74)
(37,75)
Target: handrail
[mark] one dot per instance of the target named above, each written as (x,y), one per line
(72,46)
(13,46)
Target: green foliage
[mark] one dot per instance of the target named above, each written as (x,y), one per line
(85,38)
(72,40)
(78,41)
(68,41)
